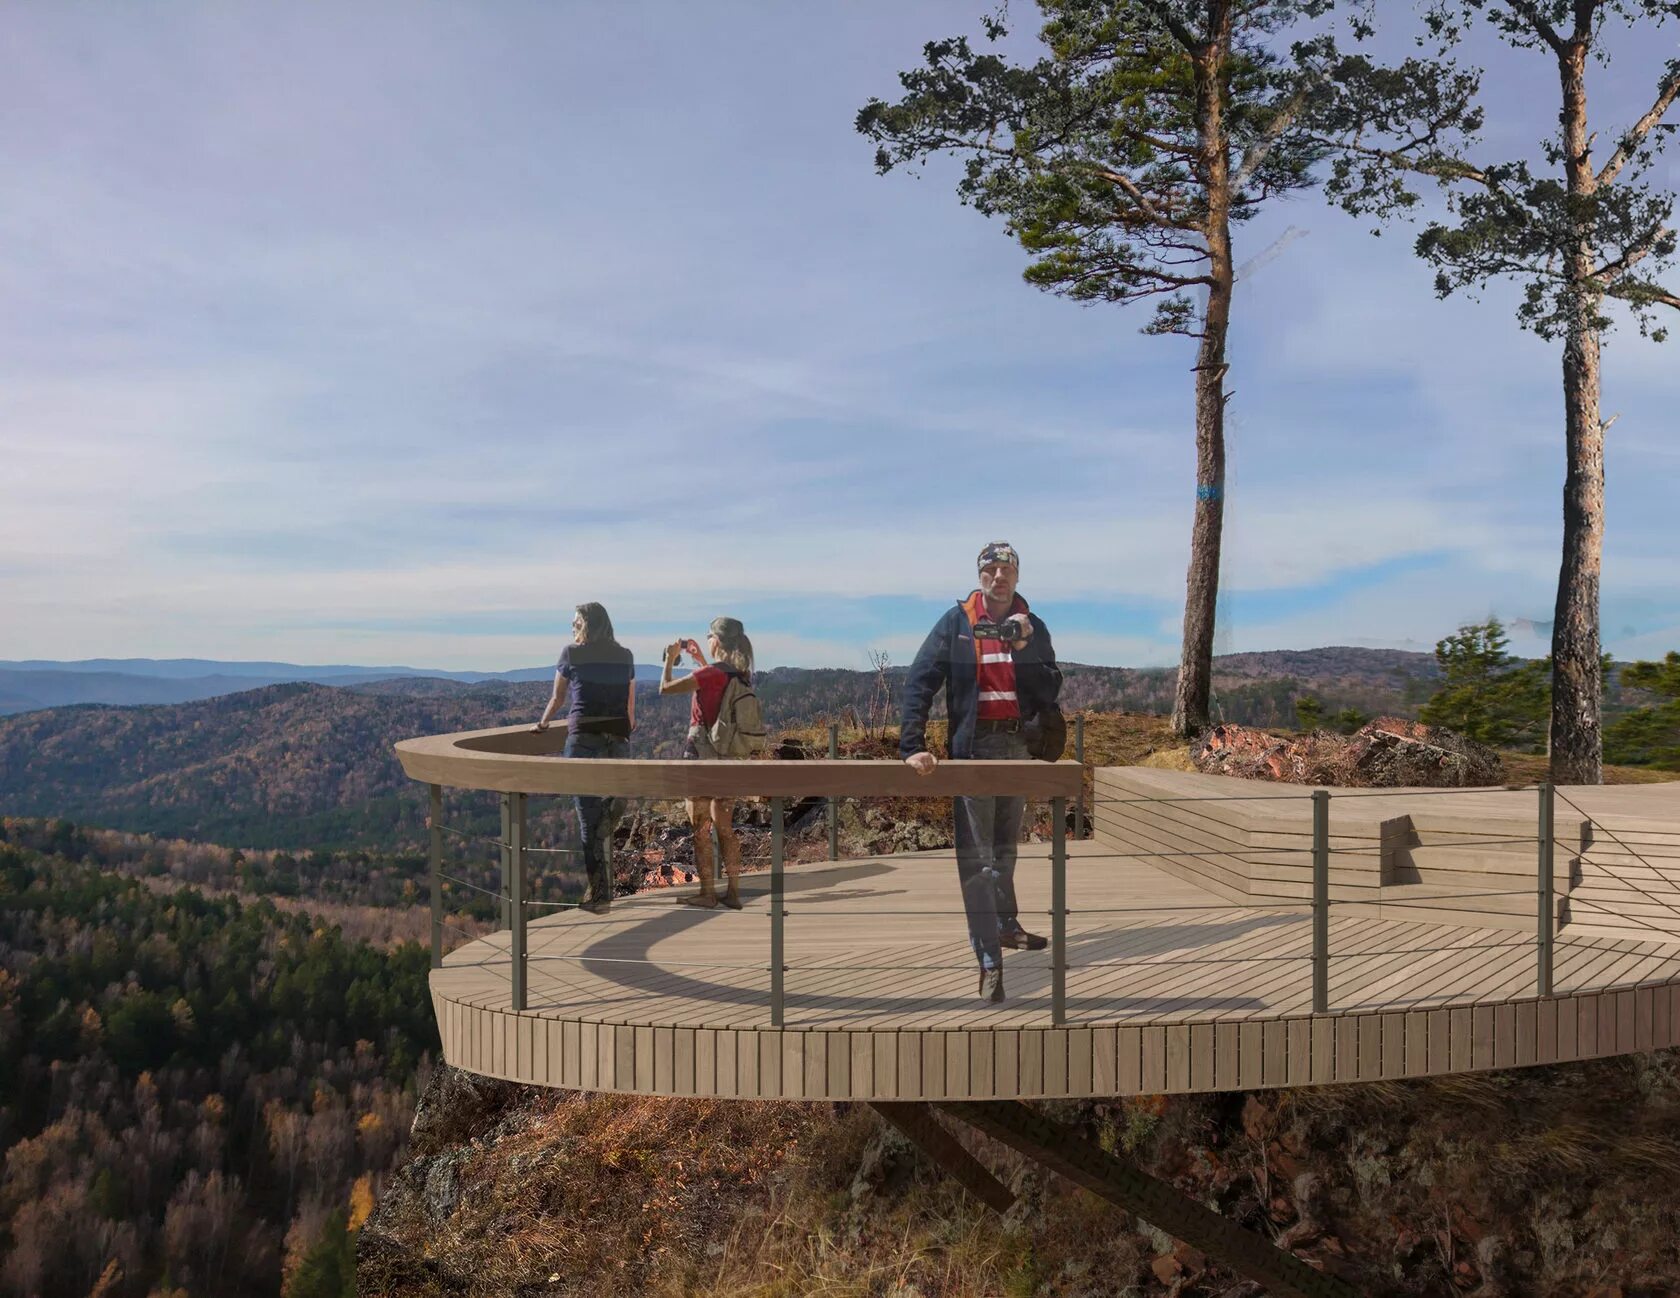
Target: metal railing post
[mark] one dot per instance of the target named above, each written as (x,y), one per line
(516,897)
(434,854)
(1321,902)
(833,805)
(502,917)
(1079,756)
(777,912)
(1058,910)
(1543,948)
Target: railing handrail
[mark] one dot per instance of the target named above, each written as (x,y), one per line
(514,759)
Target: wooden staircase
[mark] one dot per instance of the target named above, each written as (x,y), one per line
(1627,885)
(1464,857)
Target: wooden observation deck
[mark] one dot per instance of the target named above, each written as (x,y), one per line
(1210,935)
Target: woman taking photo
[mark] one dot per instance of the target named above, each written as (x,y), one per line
(732,658)
(598,675)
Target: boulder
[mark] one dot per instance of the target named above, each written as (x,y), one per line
(457,1106)
(1390,752)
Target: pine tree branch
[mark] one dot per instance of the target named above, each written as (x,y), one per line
(1657,297)
(1439,168)
(1168,283)
(1164,220)
(1165,146)
(1180,33)
(1667,91)
(1541,27)
(1632,256)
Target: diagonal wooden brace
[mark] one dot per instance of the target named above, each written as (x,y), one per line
(918,1124)
(1057,1147)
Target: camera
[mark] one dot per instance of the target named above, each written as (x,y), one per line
(1014,628)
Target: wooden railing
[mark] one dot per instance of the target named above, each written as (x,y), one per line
(517,762)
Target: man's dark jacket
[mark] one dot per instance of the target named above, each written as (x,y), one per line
(947,658)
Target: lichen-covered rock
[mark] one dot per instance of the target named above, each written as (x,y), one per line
(887,1163)
(456,1105)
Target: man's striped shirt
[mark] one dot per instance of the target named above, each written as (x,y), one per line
(996,663)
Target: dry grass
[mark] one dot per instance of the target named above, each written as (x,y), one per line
(1530,768)
(613,1191)
(1145,739)
(600,1196)
(604,1195)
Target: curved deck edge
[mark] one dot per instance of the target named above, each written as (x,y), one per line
(1057,1063)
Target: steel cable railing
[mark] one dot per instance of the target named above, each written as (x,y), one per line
(1332,869)
(1657,870)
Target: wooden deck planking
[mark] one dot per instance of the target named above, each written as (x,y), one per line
(1198,1004)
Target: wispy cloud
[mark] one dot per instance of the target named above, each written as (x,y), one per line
(388,334)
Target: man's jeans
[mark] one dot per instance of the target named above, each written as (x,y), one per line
(597,817)
(988,830)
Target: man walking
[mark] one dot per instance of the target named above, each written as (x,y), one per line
(994,658)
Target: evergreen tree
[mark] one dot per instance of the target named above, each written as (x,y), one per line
(1578,233)
(328,1270)
(1123,159)
(1488,695)
(1349,719)
(1649,736)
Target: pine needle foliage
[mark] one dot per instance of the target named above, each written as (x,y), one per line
(1488,695)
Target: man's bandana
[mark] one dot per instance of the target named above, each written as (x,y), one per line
(1000,552)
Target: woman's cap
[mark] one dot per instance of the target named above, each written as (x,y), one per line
(999,552)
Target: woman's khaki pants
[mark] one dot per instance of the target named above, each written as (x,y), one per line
(703,813)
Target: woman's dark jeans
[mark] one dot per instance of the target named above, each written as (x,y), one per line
(597,817)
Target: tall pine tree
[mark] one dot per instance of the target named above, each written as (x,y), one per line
(1122,160)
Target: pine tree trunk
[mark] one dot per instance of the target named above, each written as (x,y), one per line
(1201,594)
(1577,749)
(1577,677)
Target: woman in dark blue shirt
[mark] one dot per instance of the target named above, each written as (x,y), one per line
(598,676)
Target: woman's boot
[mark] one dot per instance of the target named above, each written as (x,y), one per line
(706,898)
(729,844)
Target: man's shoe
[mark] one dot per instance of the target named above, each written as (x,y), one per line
(595,907)
(991,984)
(731,899)
(1018,939)
(703,900)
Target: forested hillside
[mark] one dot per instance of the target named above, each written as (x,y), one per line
(302,766)
(197,1094)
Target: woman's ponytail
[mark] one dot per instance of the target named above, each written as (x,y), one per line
(733,645)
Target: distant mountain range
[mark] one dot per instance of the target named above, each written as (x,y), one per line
(31,684)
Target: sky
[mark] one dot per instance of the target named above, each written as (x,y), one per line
(388,332)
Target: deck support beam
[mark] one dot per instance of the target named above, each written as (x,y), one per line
(1058,1148)
(1321,901)
(1079,756)
(434,859)
(1058,911)
(516,896)
(916,1122)
(1543,947)
(833,803)
(778,914)
(504,864)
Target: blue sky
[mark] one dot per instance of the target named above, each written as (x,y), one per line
(388,332)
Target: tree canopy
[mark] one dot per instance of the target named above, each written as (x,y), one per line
(1093,154)
(1488,695)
